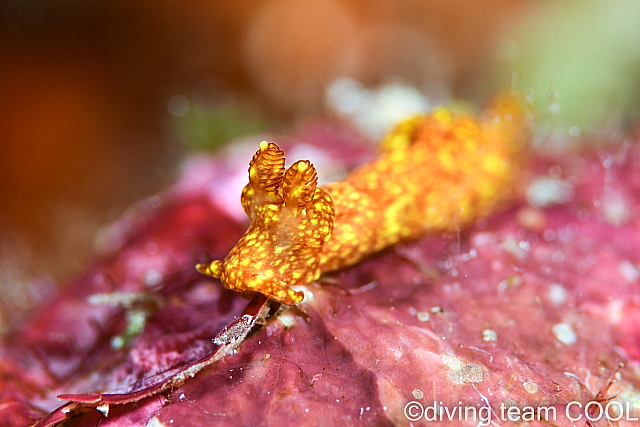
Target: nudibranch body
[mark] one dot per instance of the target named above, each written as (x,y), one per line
(437,172)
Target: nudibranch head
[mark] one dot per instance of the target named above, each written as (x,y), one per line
(290,221)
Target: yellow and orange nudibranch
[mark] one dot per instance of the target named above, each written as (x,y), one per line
(437,172)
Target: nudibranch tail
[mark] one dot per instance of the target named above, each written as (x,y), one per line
(437,172)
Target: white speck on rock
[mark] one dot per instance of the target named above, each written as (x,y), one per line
(104,408)
(235,334)
(564,333)
(629,271)
(615,208)
(510,282)
(547,191)
(549,235)
(530,387)
(557,294)
(151,248)
(616,308)
(154,422)
(417,394)
(452,361)
(574,131)
(152,277)
(423,316)
(117,342)
(374,111)
(557,256)
(512,246)
(471,373)
(489,335)
(461,373)
(287,320)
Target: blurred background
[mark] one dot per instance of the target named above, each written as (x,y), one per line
(100,101)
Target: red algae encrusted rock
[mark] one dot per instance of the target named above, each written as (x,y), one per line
(534,307)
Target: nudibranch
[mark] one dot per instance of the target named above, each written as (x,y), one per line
(436,172)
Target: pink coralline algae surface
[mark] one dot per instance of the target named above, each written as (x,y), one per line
(537,306)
